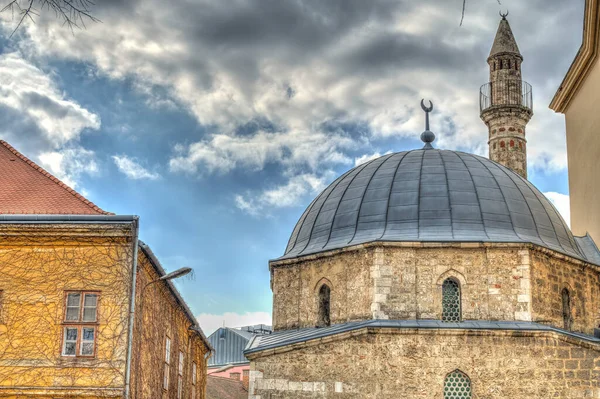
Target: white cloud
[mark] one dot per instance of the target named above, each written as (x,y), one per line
(345,64)
(368,157)
(290,194)
(132,169)
(212,322)
(562,203)
(69,164)
(38,120)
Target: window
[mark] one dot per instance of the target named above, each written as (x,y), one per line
(324,306)
(234,376)
(167,366)
(451,309)
(194,379)
(1,306)
(457,386)
(566,309)
(180,377)
(80,331)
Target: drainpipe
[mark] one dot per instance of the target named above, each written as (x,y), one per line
(136,223)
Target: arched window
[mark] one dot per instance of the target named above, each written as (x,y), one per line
(324,306)
(566,309)
(451,309)
(457,385)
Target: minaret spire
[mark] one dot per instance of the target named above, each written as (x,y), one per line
(506,102)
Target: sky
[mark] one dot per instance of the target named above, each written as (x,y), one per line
(218,121)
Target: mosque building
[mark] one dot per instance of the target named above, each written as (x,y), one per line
(437,274)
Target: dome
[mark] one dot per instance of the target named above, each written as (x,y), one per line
(430,195)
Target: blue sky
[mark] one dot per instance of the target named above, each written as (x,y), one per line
(218,121)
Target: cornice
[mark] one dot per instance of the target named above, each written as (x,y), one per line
(584,60)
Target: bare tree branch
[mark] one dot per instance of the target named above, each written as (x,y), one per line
(73,13)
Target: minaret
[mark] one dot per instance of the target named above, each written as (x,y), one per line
(506,102)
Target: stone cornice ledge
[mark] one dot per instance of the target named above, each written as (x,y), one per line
(256,353)
(424,244)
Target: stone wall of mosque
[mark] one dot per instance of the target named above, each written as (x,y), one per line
(551,276)
(404,281)
(422,364)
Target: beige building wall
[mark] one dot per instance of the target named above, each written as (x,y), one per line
(583,149)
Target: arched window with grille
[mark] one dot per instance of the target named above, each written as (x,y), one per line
(451,306)
(324,306)
(566,309)
(457,385)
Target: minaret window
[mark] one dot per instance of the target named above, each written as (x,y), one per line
(324,306)
(457,386)
(566,309)
(451,306)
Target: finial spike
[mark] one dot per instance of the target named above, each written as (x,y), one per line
(427,136)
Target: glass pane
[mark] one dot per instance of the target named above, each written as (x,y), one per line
(70,348)
(166,377)
(88,334)
(71,334)
(73,299)
(90,300)
(73,313)
(89,314)
(87,348)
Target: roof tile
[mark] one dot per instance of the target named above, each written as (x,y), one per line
(26,188)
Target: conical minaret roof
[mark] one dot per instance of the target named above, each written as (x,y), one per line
(505,40)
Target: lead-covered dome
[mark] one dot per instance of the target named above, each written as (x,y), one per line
(430,195)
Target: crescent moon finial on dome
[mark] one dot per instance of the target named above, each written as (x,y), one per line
(427,136)
(426,109)
(504,15)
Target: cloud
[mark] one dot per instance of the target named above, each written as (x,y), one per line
(562,203)
(132,169)
(368,157)
(37,118)
(212,322)
(69,164)
(324,78)
(289,194)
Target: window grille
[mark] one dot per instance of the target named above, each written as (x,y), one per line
(451,307)
(457,386)
(180,377)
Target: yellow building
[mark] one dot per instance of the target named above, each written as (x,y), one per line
(68,325)
(577,98)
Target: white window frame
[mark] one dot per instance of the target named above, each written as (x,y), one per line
(180,376)
(167,364)
(87,341)
(65,341)
(194,379)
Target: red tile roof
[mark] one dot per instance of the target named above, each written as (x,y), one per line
(225,388)
(26,188)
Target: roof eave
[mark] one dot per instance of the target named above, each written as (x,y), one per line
(584,60)
(161,271)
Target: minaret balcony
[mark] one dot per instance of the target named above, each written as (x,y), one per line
(511,92)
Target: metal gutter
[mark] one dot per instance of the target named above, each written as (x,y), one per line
(64,219)
(132,307)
